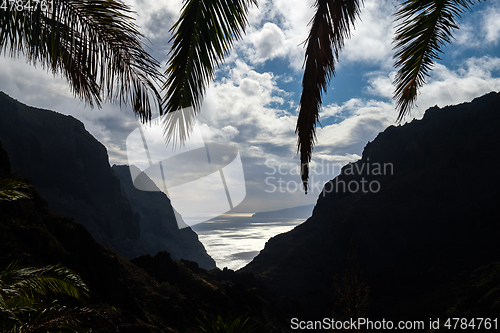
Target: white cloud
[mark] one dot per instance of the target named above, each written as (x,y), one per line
(268,43)
(363,121)
(250,87)
(276,30)
(381,85)
(155,17)
(481,28)
(467,36)
(31,84)
(242,99)
(227,133)
(447,87)
(371,40)
(491,23)
(330,111)
(473,77)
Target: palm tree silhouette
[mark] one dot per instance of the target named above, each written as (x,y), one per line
(94,44)
(28,301)
(206,30)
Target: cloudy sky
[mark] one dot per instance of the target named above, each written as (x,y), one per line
(253,101)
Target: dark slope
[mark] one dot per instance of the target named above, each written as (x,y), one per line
(70,169)
(159,229)
(147,295)
(435,217)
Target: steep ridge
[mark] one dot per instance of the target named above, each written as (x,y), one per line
(431,215)
(70,169)
(159,229)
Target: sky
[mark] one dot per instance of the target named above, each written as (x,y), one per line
(252,103)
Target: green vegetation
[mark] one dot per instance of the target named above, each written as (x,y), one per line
(29,303)
(12,189)
(216,324)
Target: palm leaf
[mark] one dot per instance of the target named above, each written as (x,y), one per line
(202,37)
(177,125)
(12,189)
(56,318)
(425,26)
(7,317)
(29,281)
(94,44)
(330,25)
(232,324)
(23,305)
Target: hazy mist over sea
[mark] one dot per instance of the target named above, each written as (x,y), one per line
(234,240)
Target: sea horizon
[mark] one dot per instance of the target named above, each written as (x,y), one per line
(233,240)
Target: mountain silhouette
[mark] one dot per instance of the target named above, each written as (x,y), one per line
(148,294)
(431,214)
(70,169)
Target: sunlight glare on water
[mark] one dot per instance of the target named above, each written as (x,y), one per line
(234,240)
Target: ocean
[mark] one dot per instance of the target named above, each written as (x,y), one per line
(234,240)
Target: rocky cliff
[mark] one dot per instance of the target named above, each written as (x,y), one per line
(70,168)
(159,229)
(420,210)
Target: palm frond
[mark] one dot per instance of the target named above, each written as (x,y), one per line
(29,281)
(424,27)
(23,301)
(202,37)
(12,189)
(57,318)
(177,125)
(232,324)
(94,44)
(7,317)
(330,25)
